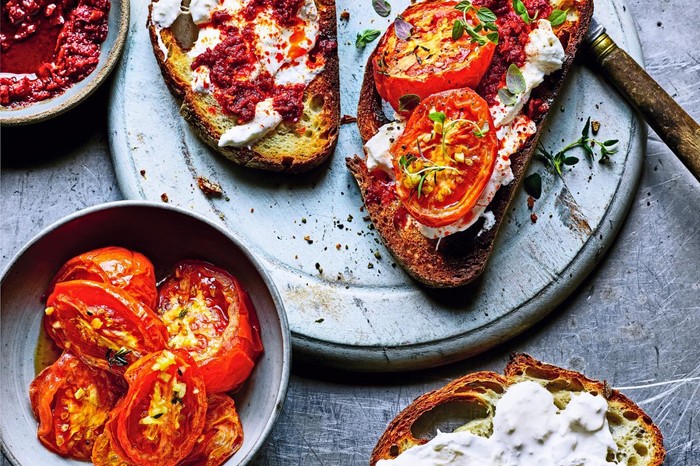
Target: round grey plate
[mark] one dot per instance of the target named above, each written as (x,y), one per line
(349,305)
(165,235)
(110,51)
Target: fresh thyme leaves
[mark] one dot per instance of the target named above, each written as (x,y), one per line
(415,52)
(506,97)
(533,185)
(515,82)
(488,23)
(117,358)
(481,132)
(182,314)
(521,10)
(408,102)
(558,160)
(438,117)
(365,37)
(557,17)
(515,85)
(402,28)
(382,7)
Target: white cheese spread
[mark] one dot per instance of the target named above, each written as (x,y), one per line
(528,429)
(545,55)
(200,10)
(377,148)
(266,119)
(165,12)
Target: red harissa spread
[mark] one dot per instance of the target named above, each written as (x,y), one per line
(47,46)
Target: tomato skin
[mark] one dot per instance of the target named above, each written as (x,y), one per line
(449,194)
(208,313)
(446,64)
(71,393)
(156,423)
(222,435)
(129,270)
(82,316)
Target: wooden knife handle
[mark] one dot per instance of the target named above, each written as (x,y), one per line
(673,125)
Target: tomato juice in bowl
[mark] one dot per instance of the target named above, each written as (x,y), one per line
(165,235)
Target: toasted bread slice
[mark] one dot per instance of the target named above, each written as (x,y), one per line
(462,257)
(292,146)
(638,440)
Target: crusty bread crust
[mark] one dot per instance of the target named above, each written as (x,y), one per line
(291,147)
(460,258)
(631,427)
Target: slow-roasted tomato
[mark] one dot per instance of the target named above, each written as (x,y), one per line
(71,401)
(222,435)
(445,157)
(162,414)
(429,61)
(208,313)
(102,324)
(104,455)
(129,270)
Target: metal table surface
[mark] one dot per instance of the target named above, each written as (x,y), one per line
(635,321)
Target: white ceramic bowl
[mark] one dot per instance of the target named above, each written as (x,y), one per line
(165,235)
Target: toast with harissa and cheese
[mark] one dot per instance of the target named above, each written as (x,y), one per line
(437,181)
(535,414)
(258,80)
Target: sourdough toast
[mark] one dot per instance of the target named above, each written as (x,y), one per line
(638,440)
(460,258)
(293,146)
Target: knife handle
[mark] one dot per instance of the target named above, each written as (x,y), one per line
(673,125)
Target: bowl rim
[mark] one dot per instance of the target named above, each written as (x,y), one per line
(267,280)
(95,81)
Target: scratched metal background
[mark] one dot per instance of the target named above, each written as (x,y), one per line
(349,307)
(635,321)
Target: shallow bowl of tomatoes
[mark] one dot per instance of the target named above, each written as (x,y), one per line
(153,323)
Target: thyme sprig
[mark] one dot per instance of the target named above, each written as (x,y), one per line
(406,162)
(117,358)
(558,160)
(487,20)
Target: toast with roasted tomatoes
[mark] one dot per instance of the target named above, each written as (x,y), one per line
(535,413)
(470,85)
(258,80)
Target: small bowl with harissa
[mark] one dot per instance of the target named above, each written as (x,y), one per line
(138,333)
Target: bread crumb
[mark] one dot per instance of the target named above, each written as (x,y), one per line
(143,173)
(164,197)
(530,202)
(595,126)
(337,246)
(345,15)
(209,188)
(346,119)
(308,239)
(533,217)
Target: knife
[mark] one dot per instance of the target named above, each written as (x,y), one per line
(673,124)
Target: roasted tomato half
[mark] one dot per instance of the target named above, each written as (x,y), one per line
(222,435)
(128,270)
(102,324)
(209,314)
(71,401)
(429,60)
(445,157)
(162,414)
